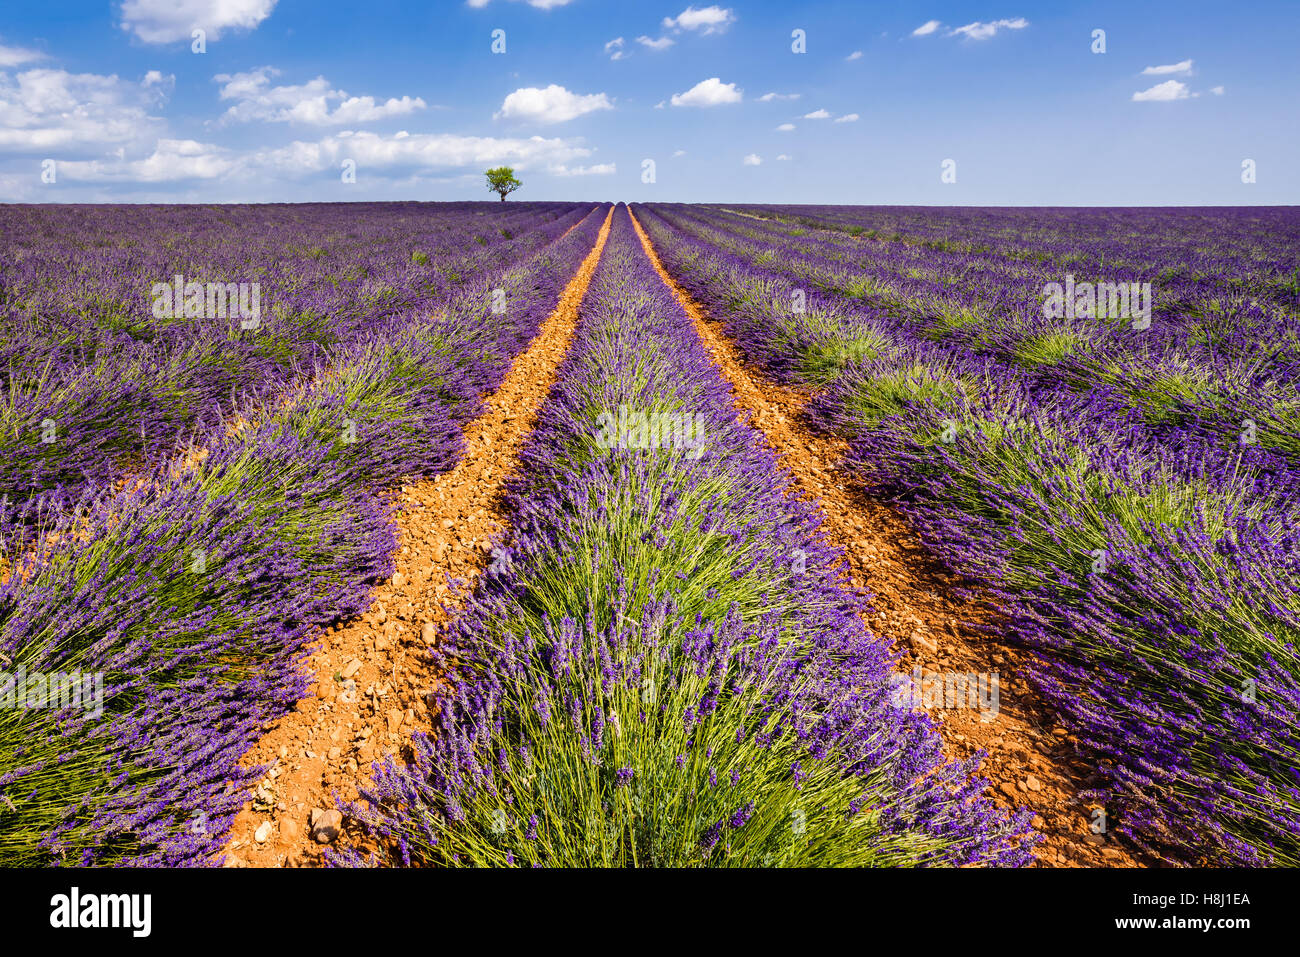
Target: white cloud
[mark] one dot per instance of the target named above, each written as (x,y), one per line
(395,158)
(1168,90)
(1183,66)
(769,97)
(539,4)
(374,152)
(848,118)
(553,104)
(982,31)
(663,43)
(17,56)
(817,115)
(661,104)
(785,127)
(753,159)
(783,157)
(710,92)
(365,109)
(615,49)
(171,161)
(855,55)
(706,19)
(19,187)
(45,109)
(165,21)
(677,153)
(1217,90)
(599,169)
(925,29)
(256,99)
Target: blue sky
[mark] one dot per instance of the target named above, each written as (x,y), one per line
(110,101)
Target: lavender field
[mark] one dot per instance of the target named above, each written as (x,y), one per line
(187,501)
(232,433)
(1121,476)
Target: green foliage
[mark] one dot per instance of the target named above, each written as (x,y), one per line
(1047,349)
(501,179)
(895,391)
(824,360)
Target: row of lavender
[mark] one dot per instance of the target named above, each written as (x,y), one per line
(1138,541)
(664,669)
(996,305)
(122,341)
(1249,248)
(191,597)
(1221,366)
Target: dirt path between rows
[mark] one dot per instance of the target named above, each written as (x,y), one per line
(1031,761)
(373,673)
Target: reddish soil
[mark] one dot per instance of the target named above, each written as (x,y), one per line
(373,673)
(1031,761)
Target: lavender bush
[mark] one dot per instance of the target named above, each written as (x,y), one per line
(195,591)
(1127,495)
(668,670)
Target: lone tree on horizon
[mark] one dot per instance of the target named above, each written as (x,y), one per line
(502,180)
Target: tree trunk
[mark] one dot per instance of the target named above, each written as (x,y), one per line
(503,197)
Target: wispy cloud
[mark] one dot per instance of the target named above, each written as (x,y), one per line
(855,55)
(539,4)
(174,160)
(663,43)
(1168,90)
(420,151)
(817,115)
(770,97)
(925,29)
(17,56)
(982,31)
(753,159)
(847,118)
(1183,66)
(785,128)
(615,49)
(598,169)
(171,161)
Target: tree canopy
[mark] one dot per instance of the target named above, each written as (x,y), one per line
(502,180)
